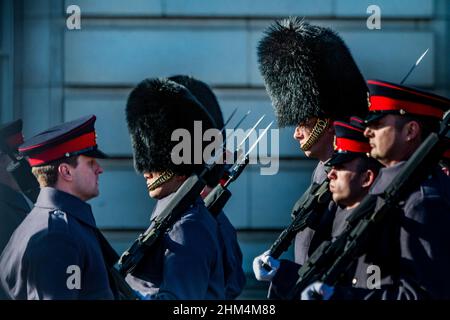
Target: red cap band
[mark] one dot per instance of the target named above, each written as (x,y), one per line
(57,152)
(381,103)
(344,144)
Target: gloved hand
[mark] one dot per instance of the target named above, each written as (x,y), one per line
(142,296)
(260,272)
(317,291)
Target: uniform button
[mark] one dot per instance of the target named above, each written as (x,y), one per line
(354,281)
(58,213)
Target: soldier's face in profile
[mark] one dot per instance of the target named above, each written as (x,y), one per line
(319,149)
(384,139)
(164,189)
(348,184)
(85,178)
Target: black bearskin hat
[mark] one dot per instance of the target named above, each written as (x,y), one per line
(208,99)
(155,108)
(204,94)
(309,72)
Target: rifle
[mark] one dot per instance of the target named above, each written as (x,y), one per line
(333,259)
(305,211)
(20,170)
(216,200)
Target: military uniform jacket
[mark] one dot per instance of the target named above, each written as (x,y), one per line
(13,209)
(411,248)
(186,263)
(306,242)
(231,256)
(54,253)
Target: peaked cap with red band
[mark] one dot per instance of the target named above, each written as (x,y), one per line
(390,98)
(63,141)
(11,135)
(350,141)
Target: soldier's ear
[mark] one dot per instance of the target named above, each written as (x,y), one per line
(412,131)
(65,172)
(367,178)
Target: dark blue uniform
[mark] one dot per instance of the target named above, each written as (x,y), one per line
(187,263)
(55,241)
(411,248)
(231,256)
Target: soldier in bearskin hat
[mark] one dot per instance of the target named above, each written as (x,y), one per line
(231,251)
(187,262)
(312,80)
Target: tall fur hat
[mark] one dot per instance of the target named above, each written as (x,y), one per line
(155,108)
(309,72)
(208,99)
(204,94)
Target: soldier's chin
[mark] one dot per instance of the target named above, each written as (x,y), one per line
(374,154)
(335,197)
(155,194)
(308,153)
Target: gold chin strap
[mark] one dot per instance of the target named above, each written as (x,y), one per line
(166,175)
(318,130)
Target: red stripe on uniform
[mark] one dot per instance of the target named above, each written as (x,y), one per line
(57,152)
(380,103)
(345,144)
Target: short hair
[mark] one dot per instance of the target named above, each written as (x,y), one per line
(368,163)
(427,124)
(47,175)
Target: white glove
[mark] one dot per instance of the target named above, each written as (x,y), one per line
(267,261)
(142,296)
(317,291)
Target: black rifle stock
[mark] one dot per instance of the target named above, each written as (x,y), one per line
(219,196)
(306,210)
(333,259)
(216,200)
(183,199)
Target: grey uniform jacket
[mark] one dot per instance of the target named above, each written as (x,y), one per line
(54,253)
(411,248)
(13,209)
(187,262)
